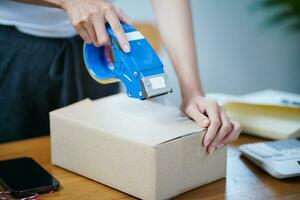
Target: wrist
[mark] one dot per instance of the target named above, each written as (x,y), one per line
(186,95)
(190,88)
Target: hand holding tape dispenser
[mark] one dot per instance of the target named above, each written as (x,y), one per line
(140,70)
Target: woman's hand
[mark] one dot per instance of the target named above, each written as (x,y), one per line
(89,17)
(208,114)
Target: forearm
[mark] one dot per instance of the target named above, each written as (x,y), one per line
(174,22)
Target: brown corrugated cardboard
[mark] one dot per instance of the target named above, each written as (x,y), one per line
(147,149)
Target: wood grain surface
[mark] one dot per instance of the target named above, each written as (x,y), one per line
(244,180)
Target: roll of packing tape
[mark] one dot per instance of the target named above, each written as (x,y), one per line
(99,62)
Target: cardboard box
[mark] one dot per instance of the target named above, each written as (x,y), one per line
(147,149)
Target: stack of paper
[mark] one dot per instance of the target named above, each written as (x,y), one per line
(270,114)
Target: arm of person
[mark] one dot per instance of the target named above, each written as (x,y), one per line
(89,17)
(175,25)
(174,22)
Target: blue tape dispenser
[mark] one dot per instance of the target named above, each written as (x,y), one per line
(140,70)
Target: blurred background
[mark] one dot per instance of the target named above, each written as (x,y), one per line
(243,45)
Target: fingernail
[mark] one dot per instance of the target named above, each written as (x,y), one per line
(211,150)
(206,142)
(126,48)
(220,146)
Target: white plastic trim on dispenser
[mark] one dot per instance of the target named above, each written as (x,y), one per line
(135,35)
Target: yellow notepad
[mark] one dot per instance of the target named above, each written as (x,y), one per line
(270,114)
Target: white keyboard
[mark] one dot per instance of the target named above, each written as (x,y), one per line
(280,158)
(285,149)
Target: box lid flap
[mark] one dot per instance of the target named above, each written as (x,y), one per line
(150,122)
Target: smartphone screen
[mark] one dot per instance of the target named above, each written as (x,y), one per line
(23,176)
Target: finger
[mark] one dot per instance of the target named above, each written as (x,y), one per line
(82,32)
(123,17)
(101,34)
(194,113)
(212,111)
(91,32)
(222,132)
(116,26)
(234,134)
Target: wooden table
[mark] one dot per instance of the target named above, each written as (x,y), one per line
(244,180)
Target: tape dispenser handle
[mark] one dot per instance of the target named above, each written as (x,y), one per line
(101,61)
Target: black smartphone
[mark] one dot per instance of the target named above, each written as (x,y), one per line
(24,176)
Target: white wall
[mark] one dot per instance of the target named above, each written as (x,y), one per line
(236,53)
